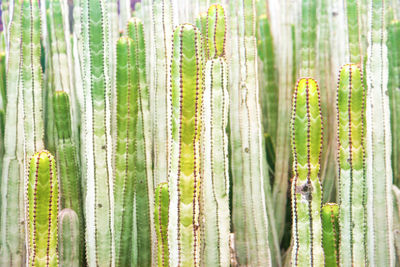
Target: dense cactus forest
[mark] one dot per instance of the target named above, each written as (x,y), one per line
(200,133)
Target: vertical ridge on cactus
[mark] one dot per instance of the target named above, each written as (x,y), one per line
(97,134)
(215,177)
(330,233)
(184,175)
(69,236)
(378,140)
(308,37)
(351,162)
(216,31)
(306,191)
(42,210)
(353,31)
(161,223)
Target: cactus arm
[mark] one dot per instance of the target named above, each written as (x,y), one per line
(97,134)
(42,216)
(68,164)
(215,183)
(351,160)
(308,37)
(378,140)
(306,128)
(330,228)
(69,244)
(216,31)
(184,179)
(161,223)
(394,94)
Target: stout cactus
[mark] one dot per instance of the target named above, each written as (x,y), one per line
(69,238)
(42,210)
(184,176)
(351,162)
(215,178)
(306,128)
(330,234)
(161,223)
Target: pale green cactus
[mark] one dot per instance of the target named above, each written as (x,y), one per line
(394,94)
(96,133)
(351,162)
(69,238)
(42,210)
(306,191)
(308,38)
(215,165)
(68,163)
(161,223)
(216,31)
(330,233)
(144,197)
(353,28)
(184,175)
(378,143)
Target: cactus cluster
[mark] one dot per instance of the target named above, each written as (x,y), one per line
(158,133)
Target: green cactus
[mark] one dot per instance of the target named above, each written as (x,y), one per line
(161,223)
(353,31)
(306,128)
(68,163)
(330,234)
(184,175)
(216,31)
(394,95)
(12,231)
(144,178)
(201,24)
(215,178)
(308,37)
(96,134)
(351,162)
(378,139)
(69,238)
(42,210)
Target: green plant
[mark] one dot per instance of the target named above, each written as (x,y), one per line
(69,238)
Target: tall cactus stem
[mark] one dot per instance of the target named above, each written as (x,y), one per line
(216,31)
(306,128)
(161,223)
(42,210)
(69,244)
(330,234)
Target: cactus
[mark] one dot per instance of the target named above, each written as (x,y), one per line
(216,32)
(351,162)
(69,236)
(215,178)
(42,210)
(144,178)
(184,177)
(161,223)
(306,128)
(308,37)
(68,164)
(353,31)
(97,134)
(330,234)
(378,139)
(394,95)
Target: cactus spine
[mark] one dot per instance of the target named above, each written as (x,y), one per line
(351,162)
(69,238)
(68,164)
(97,134)
(42,210)
(161,223)
(394,94)
(306,128)
(144,181)
(215,183)
(184,176)
(330,234)
(12,235)
(378,140)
